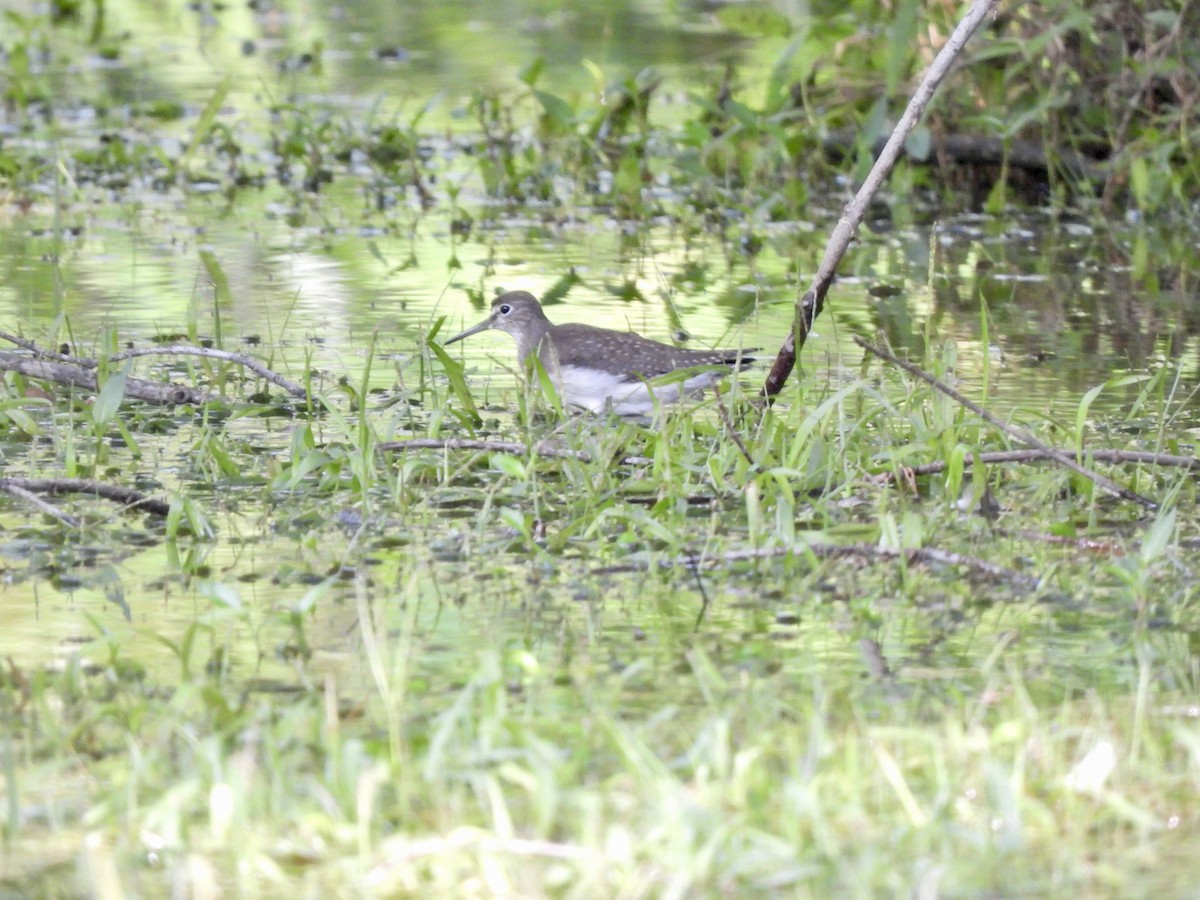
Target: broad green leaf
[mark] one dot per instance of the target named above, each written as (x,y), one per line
(1158,536)
(509,465)
(919,144)
(556,108)
(108,401)
(532,71)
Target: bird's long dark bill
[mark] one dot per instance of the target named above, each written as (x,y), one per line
(482,326)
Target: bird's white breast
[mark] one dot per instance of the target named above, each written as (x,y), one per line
(598,390)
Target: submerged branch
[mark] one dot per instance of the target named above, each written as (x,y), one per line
(981,150)
(1019,434)
(128,497)
(813,301)
(38,503)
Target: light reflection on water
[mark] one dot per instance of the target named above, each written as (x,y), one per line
(323,297)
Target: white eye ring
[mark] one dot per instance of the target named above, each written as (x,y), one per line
(505,309)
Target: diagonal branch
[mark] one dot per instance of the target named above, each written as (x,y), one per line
(1020,434)
(813,301)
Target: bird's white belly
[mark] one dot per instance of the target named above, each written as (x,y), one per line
(597,390)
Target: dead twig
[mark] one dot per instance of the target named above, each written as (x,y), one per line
(39,504)
(128,497)
(1012,431)
(1101,454)
(241,359)
(813,301)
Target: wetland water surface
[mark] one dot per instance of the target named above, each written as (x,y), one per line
(308,246)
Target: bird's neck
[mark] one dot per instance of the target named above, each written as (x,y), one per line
(531,338)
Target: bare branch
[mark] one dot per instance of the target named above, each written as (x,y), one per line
(38,503)
(248,362)
(813,301)
(129,497)
(1020,434)
(81,374)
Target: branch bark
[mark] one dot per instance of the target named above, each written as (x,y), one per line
(128,497)
(78,375)
(813,301)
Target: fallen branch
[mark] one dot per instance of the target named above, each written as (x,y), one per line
(58,368)
(1116,457)
(39,504)
(79,374)
(241,359)
(128,497)
(813,301)
(1012,431)
(977,150)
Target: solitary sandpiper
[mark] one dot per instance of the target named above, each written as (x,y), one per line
(598,368)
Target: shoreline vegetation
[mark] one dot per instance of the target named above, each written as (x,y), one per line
(851,633)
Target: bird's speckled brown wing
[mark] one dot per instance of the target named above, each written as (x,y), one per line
(627,353)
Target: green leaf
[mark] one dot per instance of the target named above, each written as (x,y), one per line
(557,109)
(12,411)
(222,594)
(781,76)
(458,381)
(1081,412)
(1139,181)
(205,123)
(515,520)
(919,144)
(532,71)
(1158,536)
(902,44)
(509,465)
(217,274)
(108,401)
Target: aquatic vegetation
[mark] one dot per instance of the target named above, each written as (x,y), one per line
(364,616)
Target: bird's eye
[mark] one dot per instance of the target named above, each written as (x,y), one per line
(505,309)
